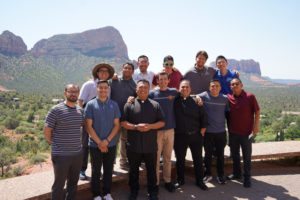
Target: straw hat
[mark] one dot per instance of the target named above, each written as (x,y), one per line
(103,65)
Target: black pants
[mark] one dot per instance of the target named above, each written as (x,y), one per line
(135,160)
(66,168)
(97,158)
(237,141)
(85,149)
(194,142)
(217,141)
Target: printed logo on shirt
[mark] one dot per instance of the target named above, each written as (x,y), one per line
(170,97)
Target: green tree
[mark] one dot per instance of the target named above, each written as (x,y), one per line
(11,123)
(30,117)
(6,158)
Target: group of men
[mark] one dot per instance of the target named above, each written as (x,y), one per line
(180,112)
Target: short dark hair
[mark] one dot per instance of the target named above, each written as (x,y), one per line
(71,85)
(186,80)
(143,56)
(168,57)
(162,74)
(103,81)
(143,81)
(237,79)
(128,63)
(220,57)
(215,80)
(203,53)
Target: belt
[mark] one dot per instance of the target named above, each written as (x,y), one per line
(192,132)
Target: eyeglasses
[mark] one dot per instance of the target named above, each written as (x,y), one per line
(103,71)
(72,92)
(168,64)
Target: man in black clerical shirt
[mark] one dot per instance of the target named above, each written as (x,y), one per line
(191,123)
(142,118)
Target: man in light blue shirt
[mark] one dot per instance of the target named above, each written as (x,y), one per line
(102,123)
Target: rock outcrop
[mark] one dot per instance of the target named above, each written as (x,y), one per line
(102,42)
(248,66)
(12,45)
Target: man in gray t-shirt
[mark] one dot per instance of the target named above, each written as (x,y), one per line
(216,107)
(200,75)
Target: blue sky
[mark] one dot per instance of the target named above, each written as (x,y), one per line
(267,31)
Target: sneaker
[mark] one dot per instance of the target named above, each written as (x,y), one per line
(178,183)
(107,197)
(82,175)
(170,187)
(124,166)
(221,180)
(202,186)
(247,183)
(97,198)
(207,178)
(233,177)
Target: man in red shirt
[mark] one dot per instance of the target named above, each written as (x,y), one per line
(174,74)
(244,123)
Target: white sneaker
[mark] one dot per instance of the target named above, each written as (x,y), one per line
(97,198)
(108,197)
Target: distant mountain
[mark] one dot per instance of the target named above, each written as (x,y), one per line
(59,60)
(247,66)
(284,81)
(12,45)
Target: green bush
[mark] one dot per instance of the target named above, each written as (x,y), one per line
(265,138)
(21,130)
(37,158)
(17,171)
(11,123)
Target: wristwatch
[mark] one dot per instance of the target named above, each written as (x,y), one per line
(135,127)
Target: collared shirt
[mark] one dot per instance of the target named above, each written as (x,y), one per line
(120,91)
(190,117)
(215,108)
(147,111)
(225,81)
(200,79)
(242,109)
(166,100)
(175,78)
(88,91)
(138,75)
(66,123)
(103,115)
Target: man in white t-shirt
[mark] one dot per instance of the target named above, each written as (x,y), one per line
(142,72)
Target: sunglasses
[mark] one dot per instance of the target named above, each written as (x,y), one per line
(168,64)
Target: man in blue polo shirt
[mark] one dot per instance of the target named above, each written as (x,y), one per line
(102,123)
(224,75)
(216,106)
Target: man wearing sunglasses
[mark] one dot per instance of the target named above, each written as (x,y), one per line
(174,74)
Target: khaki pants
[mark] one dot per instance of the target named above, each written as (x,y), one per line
(165,142)
(123,140)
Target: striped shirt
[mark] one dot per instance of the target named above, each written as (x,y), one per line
(66,123)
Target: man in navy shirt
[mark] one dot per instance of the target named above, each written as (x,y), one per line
(102,123)
(165,136)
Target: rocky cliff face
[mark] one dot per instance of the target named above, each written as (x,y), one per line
(102,42)
(12,45)
(248,66)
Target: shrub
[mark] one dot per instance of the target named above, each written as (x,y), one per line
(11,123)
(37,158)
(21,130)
(17,171)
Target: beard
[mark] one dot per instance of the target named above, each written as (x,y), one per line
(73,100)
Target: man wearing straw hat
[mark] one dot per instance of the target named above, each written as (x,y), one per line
(88,92)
